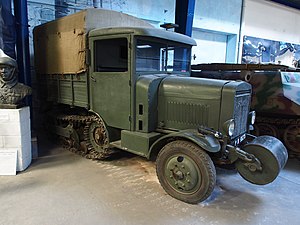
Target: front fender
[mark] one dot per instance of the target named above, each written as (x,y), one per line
(206,142)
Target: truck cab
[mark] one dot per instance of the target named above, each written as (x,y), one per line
(150,69)
(120,57)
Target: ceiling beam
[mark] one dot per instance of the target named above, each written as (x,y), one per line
(294,3)
(184,15)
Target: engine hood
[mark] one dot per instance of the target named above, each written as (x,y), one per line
(196,88)
(186,102)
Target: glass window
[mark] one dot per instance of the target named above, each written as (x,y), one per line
(162,56)
(111,55)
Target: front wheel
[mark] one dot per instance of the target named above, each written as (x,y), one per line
(186,172)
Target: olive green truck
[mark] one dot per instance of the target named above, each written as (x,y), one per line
(112,81)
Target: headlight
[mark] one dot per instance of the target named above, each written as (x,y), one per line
(252,116)
(229,127)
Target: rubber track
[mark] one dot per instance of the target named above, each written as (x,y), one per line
(278,122)
(85,121)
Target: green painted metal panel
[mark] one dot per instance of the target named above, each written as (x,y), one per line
(186,103)
(68,89)
(137,142)
(206,142)
(65,92)
(146,102)
(110,98)
(110,91)
(80,90)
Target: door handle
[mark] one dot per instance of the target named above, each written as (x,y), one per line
(93,79)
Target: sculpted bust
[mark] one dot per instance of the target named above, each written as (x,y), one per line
(11,92)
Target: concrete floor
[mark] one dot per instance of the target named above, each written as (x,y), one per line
(63,188)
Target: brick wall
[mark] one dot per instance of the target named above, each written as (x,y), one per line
(15,133)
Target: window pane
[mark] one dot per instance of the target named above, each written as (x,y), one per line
(162,56)
(111,55)
(150,56)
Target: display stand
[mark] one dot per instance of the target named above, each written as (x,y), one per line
(15,133)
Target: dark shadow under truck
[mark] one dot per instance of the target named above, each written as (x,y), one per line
(113,81)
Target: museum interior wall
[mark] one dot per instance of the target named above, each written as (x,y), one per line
(271,32)
(155,12)
(216,29)
(216,26)
(271,21)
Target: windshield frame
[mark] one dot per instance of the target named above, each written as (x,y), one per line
(167,43)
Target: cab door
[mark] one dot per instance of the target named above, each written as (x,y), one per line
(109,79)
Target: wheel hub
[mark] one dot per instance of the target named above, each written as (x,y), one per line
(179,175)
(182,174)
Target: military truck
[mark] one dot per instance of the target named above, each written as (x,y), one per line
(275,97)
(114,82)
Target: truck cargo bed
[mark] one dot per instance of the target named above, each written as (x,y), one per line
(70,89)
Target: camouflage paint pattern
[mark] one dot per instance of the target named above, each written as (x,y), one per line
(291,86)
(276,92)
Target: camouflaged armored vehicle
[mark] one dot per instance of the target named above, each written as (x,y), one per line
(276,97)
(115,82)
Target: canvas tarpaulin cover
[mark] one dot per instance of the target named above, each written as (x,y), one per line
(60,45)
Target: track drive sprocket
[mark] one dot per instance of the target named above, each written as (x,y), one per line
(96,138)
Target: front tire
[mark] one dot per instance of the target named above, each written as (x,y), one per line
(185,171)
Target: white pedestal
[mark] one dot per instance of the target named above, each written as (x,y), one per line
(15,133)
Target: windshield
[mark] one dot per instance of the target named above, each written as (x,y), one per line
(152,55)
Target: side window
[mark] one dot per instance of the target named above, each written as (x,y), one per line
(111,55)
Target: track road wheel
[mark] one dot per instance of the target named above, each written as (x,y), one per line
(292,138)
(272,156)
(266,129)
(185,171)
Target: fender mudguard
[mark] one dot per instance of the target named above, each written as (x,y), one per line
(207,142)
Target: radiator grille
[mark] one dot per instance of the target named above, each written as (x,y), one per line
(241,110)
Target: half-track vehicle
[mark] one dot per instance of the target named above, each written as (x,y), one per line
(114,82)
(275,97)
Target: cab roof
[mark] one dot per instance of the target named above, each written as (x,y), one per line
(144,31)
